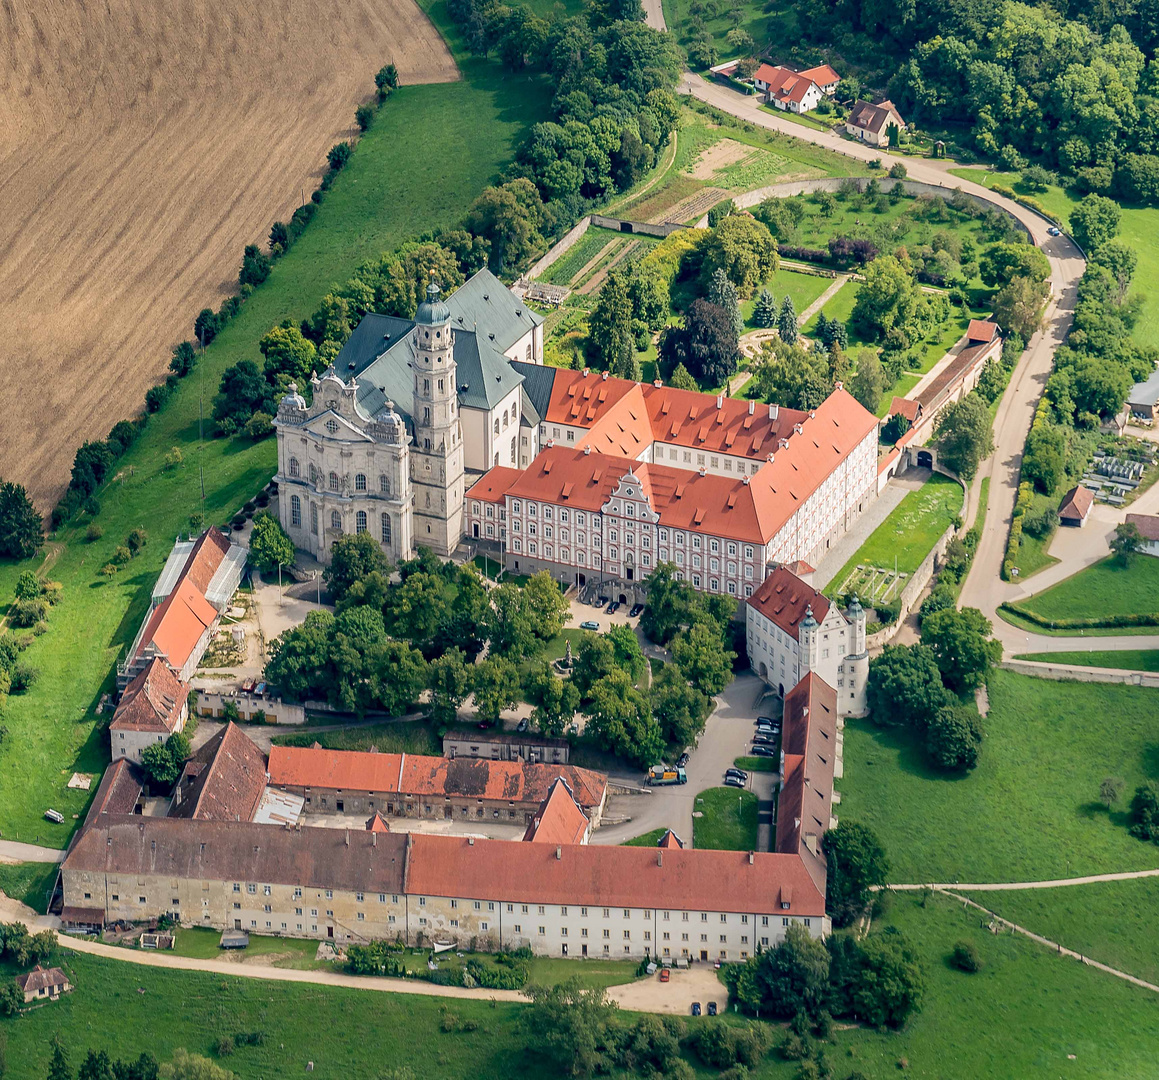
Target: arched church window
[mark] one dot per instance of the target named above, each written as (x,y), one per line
(335,520)
(360,482)
(496,425)
(333,481)
(384,484)
(386,529)
(360,521)
(295,468)
(295,511)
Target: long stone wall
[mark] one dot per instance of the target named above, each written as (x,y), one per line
(564,244)
(1082,674)
(833,183)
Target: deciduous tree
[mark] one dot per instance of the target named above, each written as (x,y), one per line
(856,863)
(962,646)
(270,546)
(963,436)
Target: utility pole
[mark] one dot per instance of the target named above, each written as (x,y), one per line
(201,413)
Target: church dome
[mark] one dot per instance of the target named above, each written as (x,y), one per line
(432,311)
(293,400)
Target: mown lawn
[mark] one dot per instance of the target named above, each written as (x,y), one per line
(1103,589)
(280,952)
(910,531)
(28,882)
(1031,809)
(1109,921)
(648,839)
(802,288)
(729,822)
(381,199)
(1130,659)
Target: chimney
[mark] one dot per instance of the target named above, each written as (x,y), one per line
(605,376)
(587,449)
(773,411)
(720,401)
(745,480)
(797,429)
(347,839)
(559,853)
(838,385)
(702,470)
(587,372)
(752,406)
(374,839)
(752,858)
(657,383)
(659,858)
(470,841)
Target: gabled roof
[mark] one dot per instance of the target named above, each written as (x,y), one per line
(783,598)
(1076,503)
(376,823)
(581,398)
(153,701)
(784,83)
(211,548)
(872,117)
(494,484)
(41,979)
(223,781)
(484,300)
(669,840)
(118,791)
(538,380)
(349,859)
(608,876)
(177,624)
(1147,524)
(822,75)
(981,330)
(559,819)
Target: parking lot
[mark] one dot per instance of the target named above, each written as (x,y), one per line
(700,983)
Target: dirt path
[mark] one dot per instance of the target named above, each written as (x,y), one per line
(1056,883)
(593,262)
(661,173)
(143,143)
(12,851)
(1062,950)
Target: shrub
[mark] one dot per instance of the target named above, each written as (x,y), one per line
(386,77)
(255,266)
(173,459)
(22,678)
(94,532)
(155,397)
(258,426)
(964,956)
(25,613)
(897,171)
(109,569)
(339,155)
(223,1046)
(363,115)
(205,326)
(136,540)
(1042,523)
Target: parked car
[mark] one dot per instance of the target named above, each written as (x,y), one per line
(522,725)
(601,601)
(760,750)
(615,606)
(764,739)
(712,1008)
(1054,231)
(740,774)
(589,624)
(767,720)
(682,760)
(611,608)
(636,609)
(665,974)
(733,781)
(696,1008)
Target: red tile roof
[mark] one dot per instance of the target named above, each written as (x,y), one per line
(176,626)
(1076,504)
(415,774)
(223,781)
(376,823)
(783,598)
(207,555)
(670,840)
(579,399)
(822,75)
(608,876)
(153,701)
(493,485)
(905,406)
(41,979)
(981,330)
(1147,524)
(559,819)
(118,791)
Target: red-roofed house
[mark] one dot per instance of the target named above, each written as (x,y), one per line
(787,89)
(559,819)
(223,781)
(1076,506)
(793,631)
(154,705)
(824,76)
(43,984)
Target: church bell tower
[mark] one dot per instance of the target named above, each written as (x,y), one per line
(437,453)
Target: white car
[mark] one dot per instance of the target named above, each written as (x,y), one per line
(1054,231)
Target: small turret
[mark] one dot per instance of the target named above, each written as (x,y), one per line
(808,642)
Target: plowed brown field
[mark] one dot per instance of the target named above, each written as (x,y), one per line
(143,143)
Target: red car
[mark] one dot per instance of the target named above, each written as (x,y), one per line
(665,974)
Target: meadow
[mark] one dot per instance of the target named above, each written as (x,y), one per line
(729,822)
(1131,659)
(1104,589)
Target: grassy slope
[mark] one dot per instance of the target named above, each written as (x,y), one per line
(910,530)
(1109,921)
(381,199)
(1139,227)
(1132,659)
(729,822)
(28,882)
(1102,589)
(1030,810)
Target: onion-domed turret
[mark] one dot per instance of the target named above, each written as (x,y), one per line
(433,311)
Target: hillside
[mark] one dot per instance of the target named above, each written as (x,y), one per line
(143,143)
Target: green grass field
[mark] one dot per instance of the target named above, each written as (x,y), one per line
(1106,588)
(28,882)
(279,952)
(803,288)
(908,534)
(757,764)
(379,200)
(648,839)
(729,822)
(1030,811)
(1109,921)
(840,307)
(1130,659)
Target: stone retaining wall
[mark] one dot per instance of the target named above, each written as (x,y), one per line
(1041,670)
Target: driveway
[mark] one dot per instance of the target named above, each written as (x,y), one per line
(727,736)
(700,982)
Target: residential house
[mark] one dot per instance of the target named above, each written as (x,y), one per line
(873,123)
(787,89)
(43,984)
(1148,526)
(154,706)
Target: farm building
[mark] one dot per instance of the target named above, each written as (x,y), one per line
(154,705)
(1076,506)
(43,984)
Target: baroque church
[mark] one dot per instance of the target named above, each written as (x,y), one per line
(407,417)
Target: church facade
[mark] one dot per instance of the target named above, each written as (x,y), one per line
(409,413)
